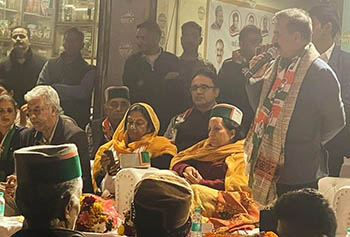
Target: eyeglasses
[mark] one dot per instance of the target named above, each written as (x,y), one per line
(202,88)
(8,110)
(36,111)
(21,36)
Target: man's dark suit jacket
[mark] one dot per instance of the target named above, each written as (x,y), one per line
(339,146)
(66,132)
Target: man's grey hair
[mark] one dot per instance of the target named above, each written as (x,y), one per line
(298,20)
(47,93)
(44,204)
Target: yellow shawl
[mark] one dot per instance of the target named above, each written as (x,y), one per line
(152,143)
(236,178)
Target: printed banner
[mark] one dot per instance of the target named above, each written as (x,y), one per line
(224,24)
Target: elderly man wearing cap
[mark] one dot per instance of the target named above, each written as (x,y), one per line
(216,169)
(49,188)
(161,206)
(49,128)
(100,131)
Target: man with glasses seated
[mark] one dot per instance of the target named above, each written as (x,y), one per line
(50,128)
(20,70)
(190,127)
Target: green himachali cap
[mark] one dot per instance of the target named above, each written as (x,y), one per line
(227,111)
(116,92)
(47,164)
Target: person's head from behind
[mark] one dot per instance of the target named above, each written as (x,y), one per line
(20,36)
(204,89)
(224,125)
(219,49)
(325,24)
(138,122)
(49,185)
(43,107)
(304,213)
(292,32)
(117,101)
(162,206)
(73,42)
(219,16)
(8,112)
(191,36)
(148,36)
(249,39)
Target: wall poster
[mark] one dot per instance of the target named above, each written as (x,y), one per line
(225,20)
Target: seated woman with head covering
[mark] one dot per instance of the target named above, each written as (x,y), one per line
(137,132)
(9,135)
(216,169)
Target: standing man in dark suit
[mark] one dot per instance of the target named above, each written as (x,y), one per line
(298,110)
(20,70)
(49,128)
(152,74)
(325,25)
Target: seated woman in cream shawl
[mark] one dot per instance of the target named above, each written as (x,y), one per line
(216,169)
(137,132)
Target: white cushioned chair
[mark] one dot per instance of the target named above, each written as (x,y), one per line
(125,183)
(337,192)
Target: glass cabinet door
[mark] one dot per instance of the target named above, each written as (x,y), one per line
(39,17)
(76,11)
(79,14)
(9,17)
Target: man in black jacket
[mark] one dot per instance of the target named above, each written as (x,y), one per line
(72,77)
(152,74)
(325,25)
(49,128)
(231,79)
(20,70)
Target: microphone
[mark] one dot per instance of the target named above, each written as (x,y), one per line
(271,53)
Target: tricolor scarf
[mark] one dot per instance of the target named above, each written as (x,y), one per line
(107,129)
(264,146)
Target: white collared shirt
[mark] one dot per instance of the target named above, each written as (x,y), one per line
(328,53)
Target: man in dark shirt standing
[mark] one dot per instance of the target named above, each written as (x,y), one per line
(231,79)
(152,74)
(190,127)
(20,70)
(72,77)
(190,61)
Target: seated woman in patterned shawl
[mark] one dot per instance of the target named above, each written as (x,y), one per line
(137,132)
(216,169)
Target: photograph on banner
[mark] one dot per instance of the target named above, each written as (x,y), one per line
(225,21)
